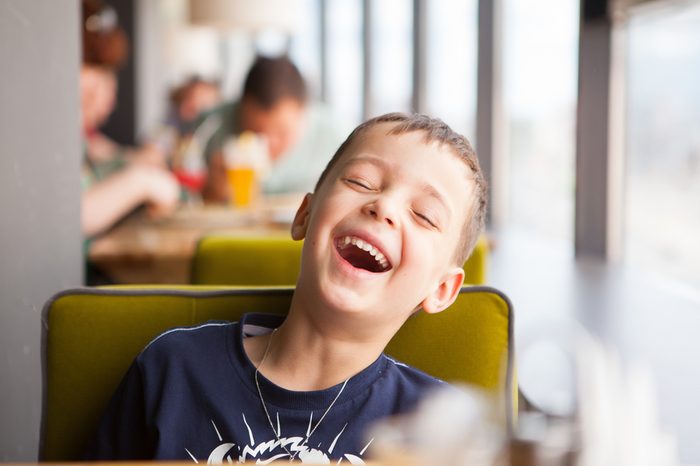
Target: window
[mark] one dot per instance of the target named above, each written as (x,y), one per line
(662,202)
(305,50)
(451,63)
(540,90)
(344,59)
(391,56)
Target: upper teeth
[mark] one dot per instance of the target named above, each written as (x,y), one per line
(365,246)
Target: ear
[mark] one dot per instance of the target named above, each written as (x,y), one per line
(301,219)
(445,293)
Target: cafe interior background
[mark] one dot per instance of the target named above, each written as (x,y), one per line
(585,116)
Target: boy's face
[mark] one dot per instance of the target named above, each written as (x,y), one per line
(382,229)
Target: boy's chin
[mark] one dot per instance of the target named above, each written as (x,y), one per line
(358,301)
(333,299)
(344,299)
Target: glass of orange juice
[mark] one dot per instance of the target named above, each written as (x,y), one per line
(245,156)
(242,183)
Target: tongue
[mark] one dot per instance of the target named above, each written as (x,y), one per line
(360,259)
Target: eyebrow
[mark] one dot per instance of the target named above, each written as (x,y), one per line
(434,193)
(426,188)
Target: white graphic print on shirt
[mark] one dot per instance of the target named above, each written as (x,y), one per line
(272,450)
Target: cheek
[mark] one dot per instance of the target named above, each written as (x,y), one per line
(104,102)
(284,141)
(328,214)
(274,145)
(280,141)
(429,251)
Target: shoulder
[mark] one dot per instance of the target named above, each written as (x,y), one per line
(403,386)
(198,331)
(203,341)
(216,125)
(218,122)
(399,387)
(187,341)
(225,111)
(409,376)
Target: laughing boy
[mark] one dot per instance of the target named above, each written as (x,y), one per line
(392,218)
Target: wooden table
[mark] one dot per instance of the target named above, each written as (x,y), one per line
(141,250)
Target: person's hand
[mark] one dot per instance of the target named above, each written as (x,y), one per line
(162,190)
(104,203)
(216,189)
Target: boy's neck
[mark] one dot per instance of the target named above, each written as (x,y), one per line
(310,353)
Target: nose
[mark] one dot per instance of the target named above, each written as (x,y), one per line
(383,210)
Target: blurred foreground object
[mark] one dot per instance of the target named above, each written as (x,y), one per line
(456,426)
(614,420)
(618,412)
(615,423)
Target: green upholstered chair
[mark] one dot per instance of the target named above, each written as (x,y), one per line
(274,260)
(93,334)
(476,266)
(235,260)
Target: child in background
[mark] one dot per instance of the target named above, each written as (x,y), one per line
(392,218)
(189,100)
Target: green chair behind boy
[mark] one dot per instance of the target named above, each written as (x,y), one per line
(93,334)
(274,260)
(235,260)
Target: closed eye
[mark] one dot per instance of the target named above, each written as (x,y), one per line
(425,219)
(358,183)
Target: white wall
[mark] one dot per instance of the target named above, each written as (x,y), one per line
(40,241)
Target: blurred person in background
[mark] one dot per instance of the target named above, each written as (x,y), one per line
(177,133)
(116,180)
(187,101)
(275,105)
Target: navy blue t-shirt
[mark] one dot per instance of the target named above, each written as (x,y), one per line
(191,395)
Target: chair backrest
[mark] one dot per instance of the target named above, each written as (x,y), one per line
(476,266)
(234,260)
(93,334)
(221,259)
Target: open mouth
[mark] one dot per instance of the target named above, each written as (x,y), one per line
(362,255)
